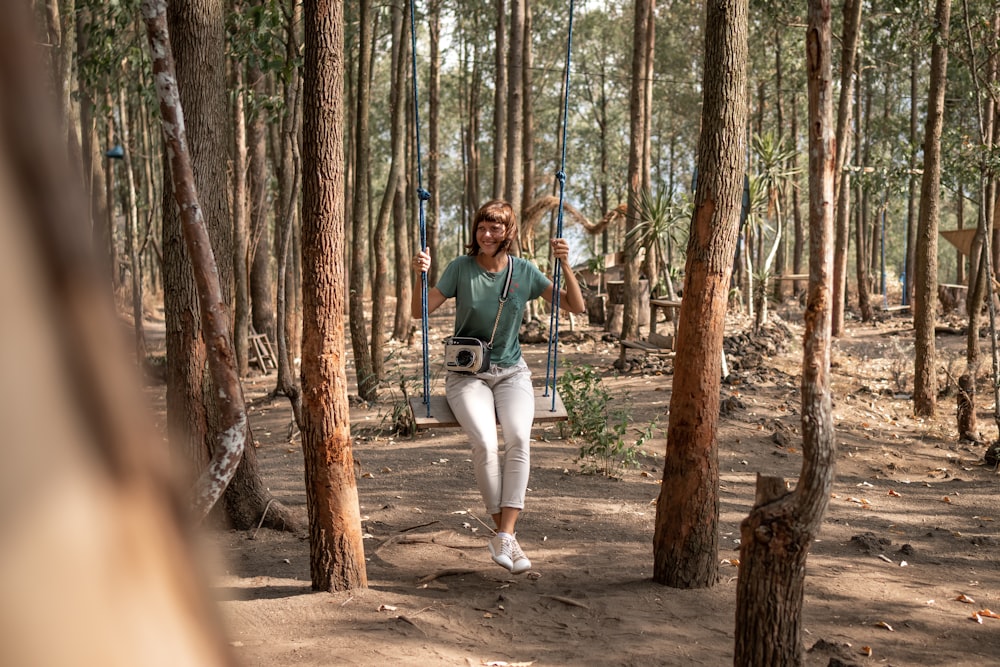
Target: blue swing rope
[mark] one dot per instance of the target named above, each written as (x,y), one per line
(552,360)
(422,196)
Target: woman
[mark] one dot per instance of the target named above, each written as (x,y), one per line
(503,392)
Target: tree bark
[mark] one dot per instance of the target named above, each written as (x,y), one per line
(233,429)
(685,542)
(261,297)
(337,558)
(514,178)
(848,54)
(925,295)
(199,59)
(636,160)
(501,75)
(367,387)
(402,234)
(776,536)
(433,221)
(241,277)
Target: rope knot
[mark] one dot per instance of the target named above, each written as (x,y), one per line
(423,195)
(561,176)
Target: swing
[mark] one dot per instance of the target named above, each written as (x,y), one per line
(433,411)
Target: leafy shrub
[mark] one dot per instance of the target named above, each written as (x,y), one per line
(600,422)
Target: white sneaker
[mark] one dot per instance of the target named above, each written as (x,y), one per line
(519,562)
(502,551)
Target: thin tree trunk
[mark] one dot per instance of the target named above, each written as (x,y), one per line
(775,538)
(433,221)
(261,298)
(848,54)
(636,160)
(685,541)
(367,387)
(925,296)
(402,234)
(514,178)
(502,76)
(241,307)
(132,233)
(336,552)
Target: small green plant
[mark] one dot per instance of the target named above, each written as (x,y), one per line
(600,422)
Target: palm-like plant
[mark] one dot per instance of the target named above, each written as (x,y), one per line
(772,159)
(661,224)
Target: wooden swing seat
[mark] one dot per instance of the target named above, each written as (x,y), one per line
(442,416)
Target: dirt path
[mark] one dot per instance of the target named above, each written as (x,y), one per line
(910,528)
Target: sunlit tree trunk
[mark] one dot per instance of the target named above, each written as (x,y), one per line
(925,294)
(685,541)
(337,558)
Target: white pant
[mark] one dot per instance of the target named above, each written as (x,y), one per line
(478,402)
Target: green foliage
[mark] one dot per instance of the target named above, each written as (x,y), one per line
(601,422)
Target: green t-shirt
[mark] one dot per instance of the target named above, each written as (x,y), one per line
(477,297)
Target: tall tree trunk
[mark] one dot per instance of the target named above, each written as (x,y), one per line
(685,542)
(233,430)
(848,54)
(862,248)
(336,552)
(798,244)
(367,387)
(527,135)
(911,196)
(288,190)
(261,295)
(925,295)
(198,43)
(781,258)
(776,536)
(241,277)
(636,160)
(93,164)
(402,234)
(514,178)
(433,223)
(132,232)
(502,75)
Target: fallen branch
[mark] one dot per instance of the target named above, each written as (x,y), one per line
(568,601)
(447,572)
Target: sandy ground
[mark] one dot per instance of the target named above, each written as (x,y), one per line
(906,556)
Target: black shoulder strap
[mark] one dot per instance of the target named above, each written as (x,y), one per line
(510,275)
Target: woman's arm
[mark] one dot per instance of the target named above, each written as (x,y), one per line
(421,263)
(571,298)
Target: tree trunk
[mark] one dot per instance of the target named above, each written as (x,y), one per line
(261,296)
(848,54)
(233,430)
(798,244)
(776,536)
(199,56)
(241,277)
(401,232)
(132,233)
(925,295)
(367,387)
(514,178)
(433,221)
(636,160)
(527,137)
(337,558)
(685,542)
(501,74)
(911,196)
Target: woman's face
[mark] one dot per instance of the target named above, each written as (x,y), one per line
(490,235)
